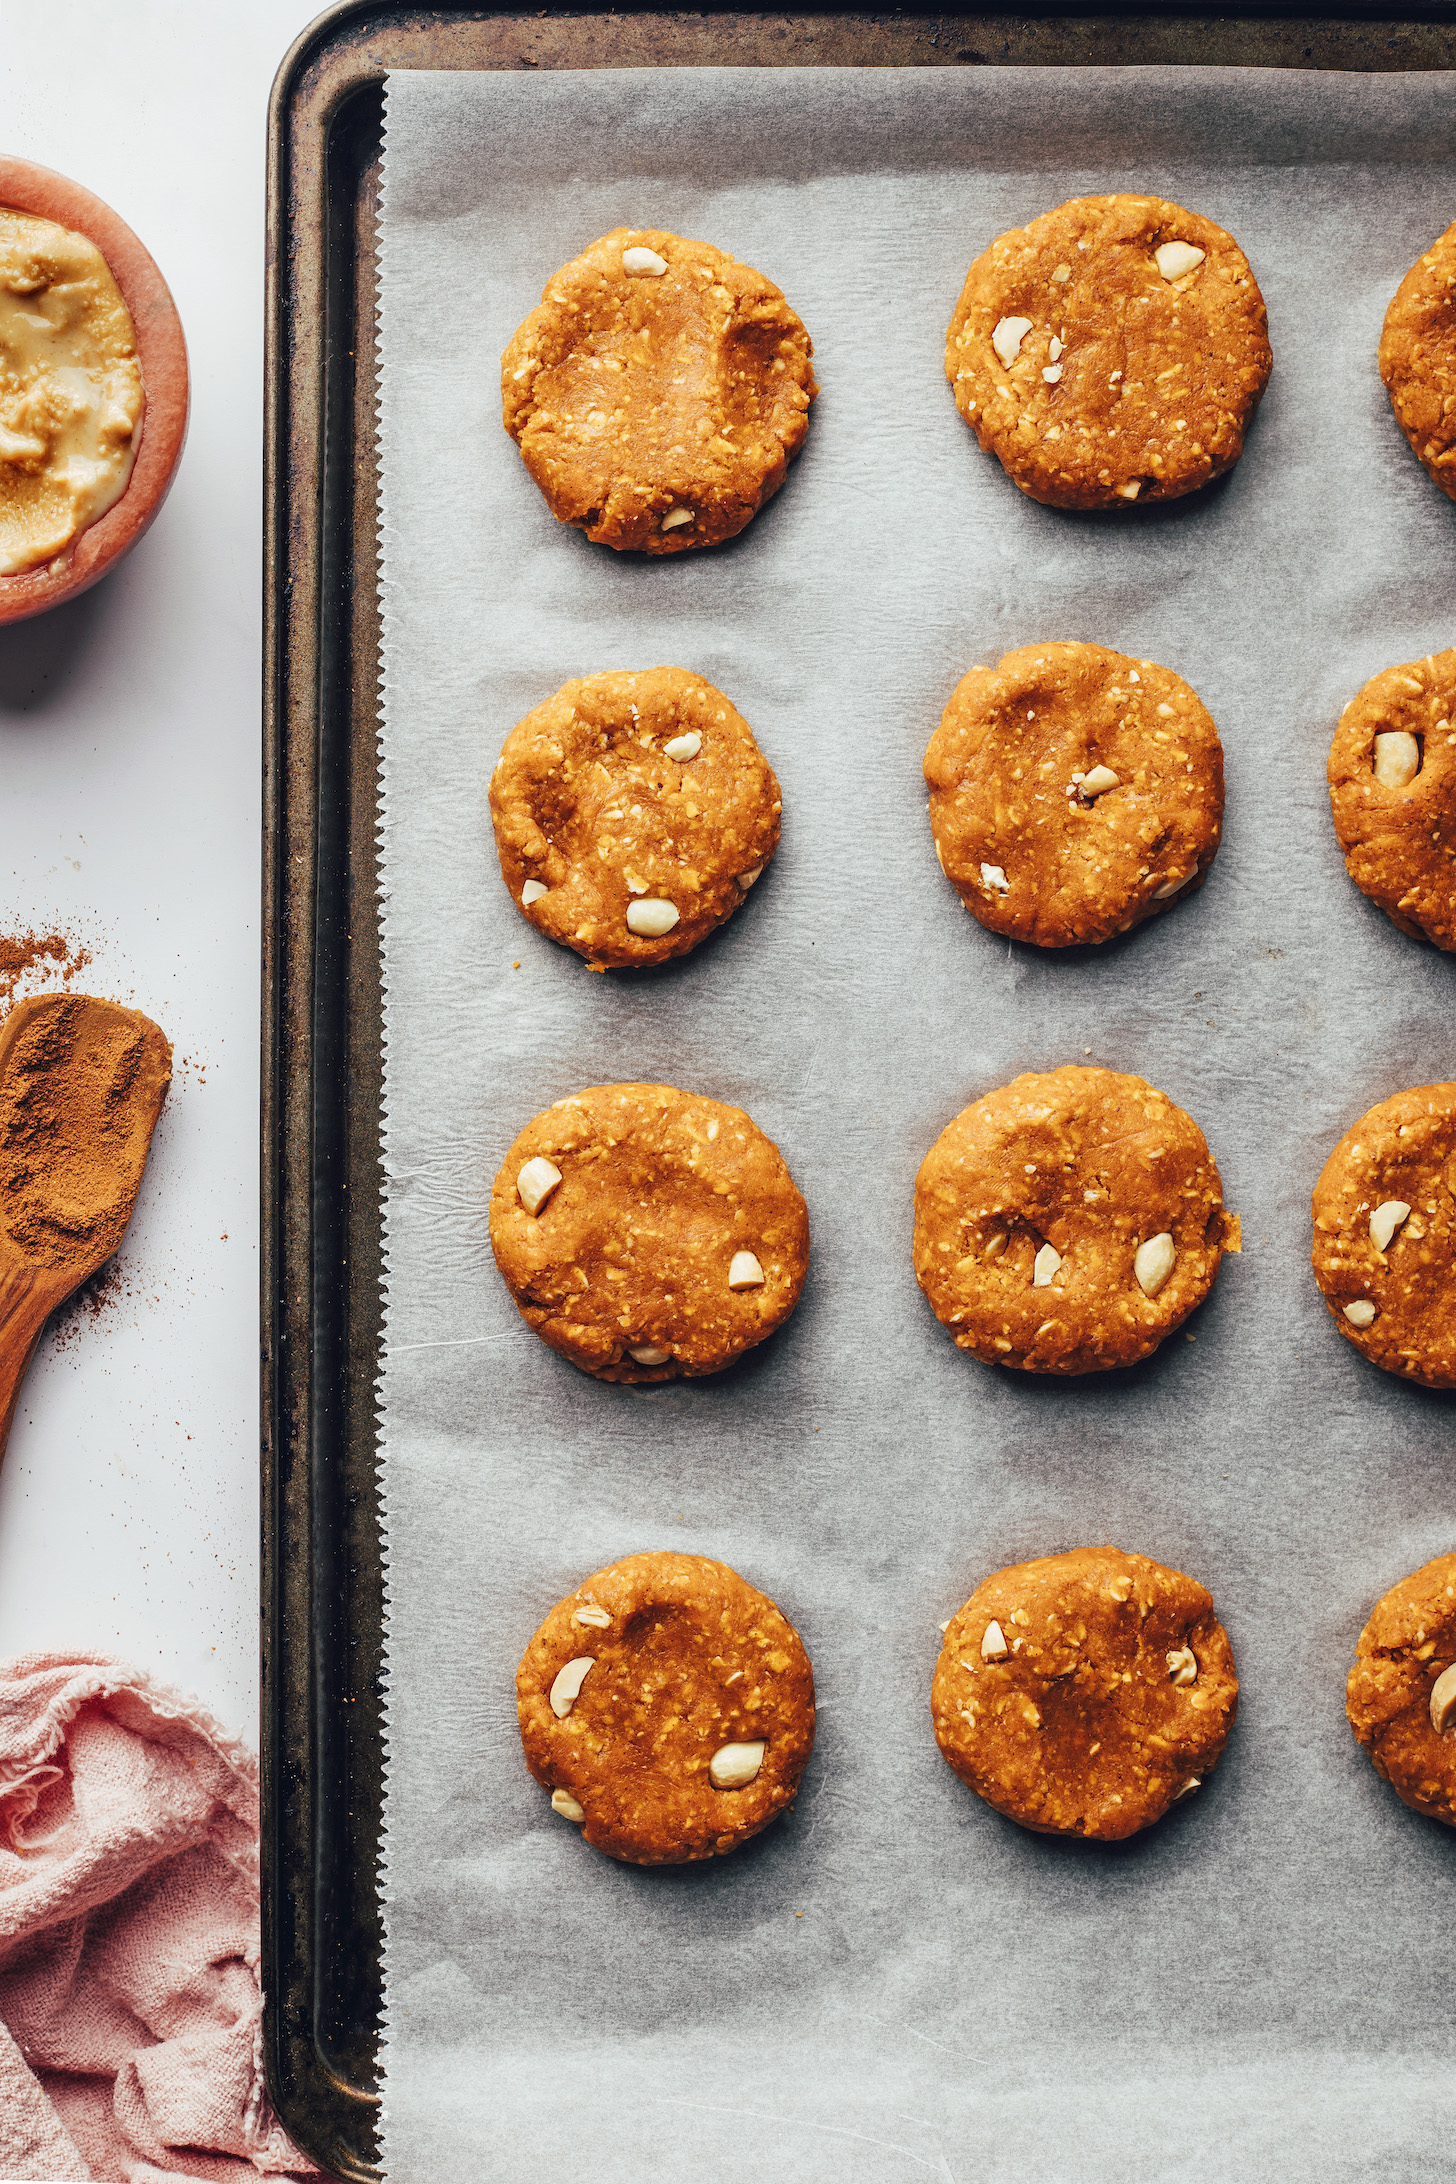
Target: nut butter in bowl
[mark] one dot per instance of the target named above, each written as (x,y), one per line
(93,389)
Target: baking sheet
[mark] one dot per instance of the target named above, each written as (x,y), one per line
(895,1982)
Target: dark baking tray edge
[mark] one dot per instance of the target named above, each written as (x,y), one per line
(323,1580)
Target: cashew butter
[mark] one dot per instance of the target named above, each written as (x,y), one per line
(70,389)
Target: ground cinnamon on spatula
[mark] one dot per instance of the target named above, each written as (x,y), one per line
(81,1085)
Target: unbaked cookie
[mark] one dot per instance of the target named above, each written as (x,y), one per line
(1085,1693)
(1112,351)
(1073,793)
(668,1707)
(1069,1221)
(658,392)
(1385,1235)
(1418,359)
(1392,778)
(632,814)
(1401,1694)
(646,1233)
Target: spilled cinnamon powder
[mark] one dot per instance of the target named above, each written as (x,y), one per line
(23,955)
(105,1288)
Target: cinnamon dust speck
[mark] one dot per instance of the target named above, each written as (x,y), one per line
(107,1286)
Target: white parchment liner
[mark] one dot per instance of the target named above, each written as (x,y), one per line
(894,1982)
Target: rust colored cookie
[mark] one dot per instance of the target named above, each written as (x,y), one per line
(658,392)
(1085,1693)
(632,814)
(669,1707)
(1073,793)
(1401,1692)
(1113,350)
(1392,778)
(1069,1221)
(646,1233)
(1385,1235)
(1418,359)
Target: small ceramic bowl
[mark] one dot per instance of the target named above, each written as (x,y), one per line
(162,351)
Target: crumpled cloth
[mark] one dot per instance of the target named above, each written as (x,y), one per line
(130,2005)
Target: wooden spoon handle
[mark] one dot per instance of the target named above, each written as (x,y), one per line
(28,1296)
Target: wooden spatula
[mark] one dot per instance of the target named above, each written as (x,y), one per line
(81,1086)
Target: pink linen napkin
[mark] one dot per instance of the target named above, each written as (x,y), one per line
(130,2009)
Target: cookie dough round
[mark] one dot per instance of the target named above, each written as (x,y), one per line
(1069,1221)
(1404,1682)
(1073,793)
(669,1707)
(672,1240)
(1392,776)
(1385,1235)
(658,392)
(1418,359)
(632,814)
(1112,351)
(1085,1693)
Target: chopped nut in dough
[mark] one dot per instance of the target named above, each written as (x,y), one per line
(563,1802)
(733,1766)
(648,1354)
(1360,1312)
(993,876)
(535,1183)
(1007,337)
(641,260)
(993,1643)
(566,1688)
(1044,1266)
(532,892)
(1098,781)
(1183,1666)
(1385,1220)
(1443,1700)
(1173,260)
(651,918)
(682,748)
(1397,759)
(675,518)
(594,1617)
(745,1272)
(1153,1262)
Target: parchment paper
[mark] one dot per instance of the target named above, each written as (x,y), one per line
(894,1982)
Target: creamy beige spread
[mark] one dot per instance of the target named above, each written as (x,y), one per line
(70,389)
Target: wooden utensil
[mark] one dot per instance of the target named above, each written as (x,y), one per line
(82,1083)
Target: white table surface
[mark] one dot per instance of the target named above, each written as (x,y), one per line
(130,740)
